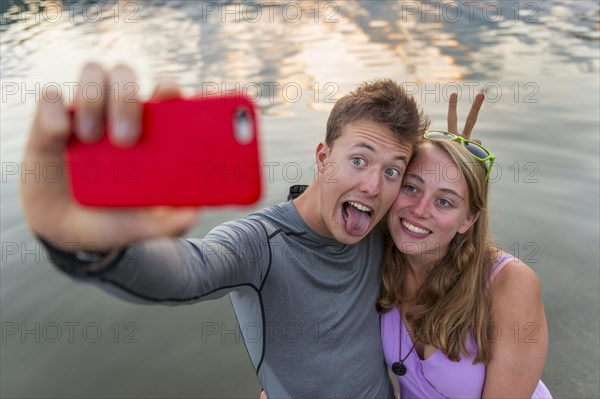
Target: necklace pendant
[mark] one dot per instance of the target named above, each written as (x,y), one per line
(399,369)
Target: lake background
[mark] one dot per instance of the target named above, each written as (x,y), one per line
(537,61)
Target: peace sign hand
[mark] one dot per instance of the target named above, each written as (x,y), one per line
(471,118)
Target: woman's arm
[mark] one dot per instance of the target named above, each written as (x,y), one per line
(519,334)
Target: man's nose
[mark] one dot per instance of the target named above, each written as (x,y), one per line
(371,183)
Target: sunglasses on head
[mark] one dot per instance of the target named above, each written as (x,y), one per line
(478,151)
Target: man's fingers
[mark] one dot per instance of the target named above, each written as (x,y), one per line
(124,107)
(45,197)
(473,113)
(51,125)
(452,116)
(166,89)
(89,103)
(173,221)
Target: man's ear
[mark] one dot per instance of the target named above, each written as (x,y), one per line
(469,221)
(322,154)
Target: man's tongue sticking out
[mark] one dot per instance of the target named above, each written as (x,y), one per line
(357,222)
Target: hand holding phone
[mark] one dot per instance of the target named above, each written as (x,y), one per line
(48,204)
(191,152)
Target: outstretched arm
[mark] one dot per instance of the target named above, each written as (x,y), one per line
(175,270)
(132,249)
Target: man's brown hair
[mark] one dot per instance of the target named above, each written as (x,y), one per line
(384,102)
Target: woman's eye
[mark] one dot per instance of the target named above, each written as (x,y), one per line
(358,161)
(409,188)
(444,202)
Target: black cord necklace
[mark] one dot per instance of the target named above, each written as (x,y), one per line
(398,367)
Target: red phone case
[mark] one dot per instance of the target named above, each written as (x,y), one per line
(196,151)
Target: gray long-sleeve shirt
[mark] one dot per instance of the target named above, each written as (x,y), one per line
(305,304)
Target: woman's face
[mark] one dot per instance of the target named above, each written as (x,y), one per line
(433,204)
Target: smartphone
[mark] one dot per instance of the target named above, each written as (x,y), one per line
(199,151)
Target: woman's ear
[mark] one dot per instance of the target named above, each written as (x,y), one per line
(469,221)
(322,154)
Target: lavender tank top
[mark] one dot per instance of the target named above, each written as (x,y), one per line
(437,376)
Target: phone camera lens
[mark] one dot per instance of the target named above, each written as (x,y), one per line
(243,126)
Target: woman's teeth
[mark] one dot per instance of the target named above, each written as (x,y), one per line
(414,229)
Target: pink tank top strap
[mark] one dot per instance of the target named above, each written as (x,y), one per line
(499,264)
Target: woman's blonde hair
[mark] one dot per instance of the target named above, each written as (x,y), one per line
(452,300)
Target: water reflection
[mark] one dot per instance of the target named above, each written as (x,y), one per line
(417,41)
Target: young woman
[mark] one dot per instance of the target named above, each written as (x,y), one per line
(460,318)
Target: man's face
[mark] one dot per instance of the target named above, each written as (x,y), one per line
(360,177)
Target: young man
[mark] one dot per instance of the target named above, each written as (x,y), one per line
(306,272)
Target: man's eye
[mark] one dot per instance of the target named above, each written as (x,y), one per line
(358,161)
(392,172)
